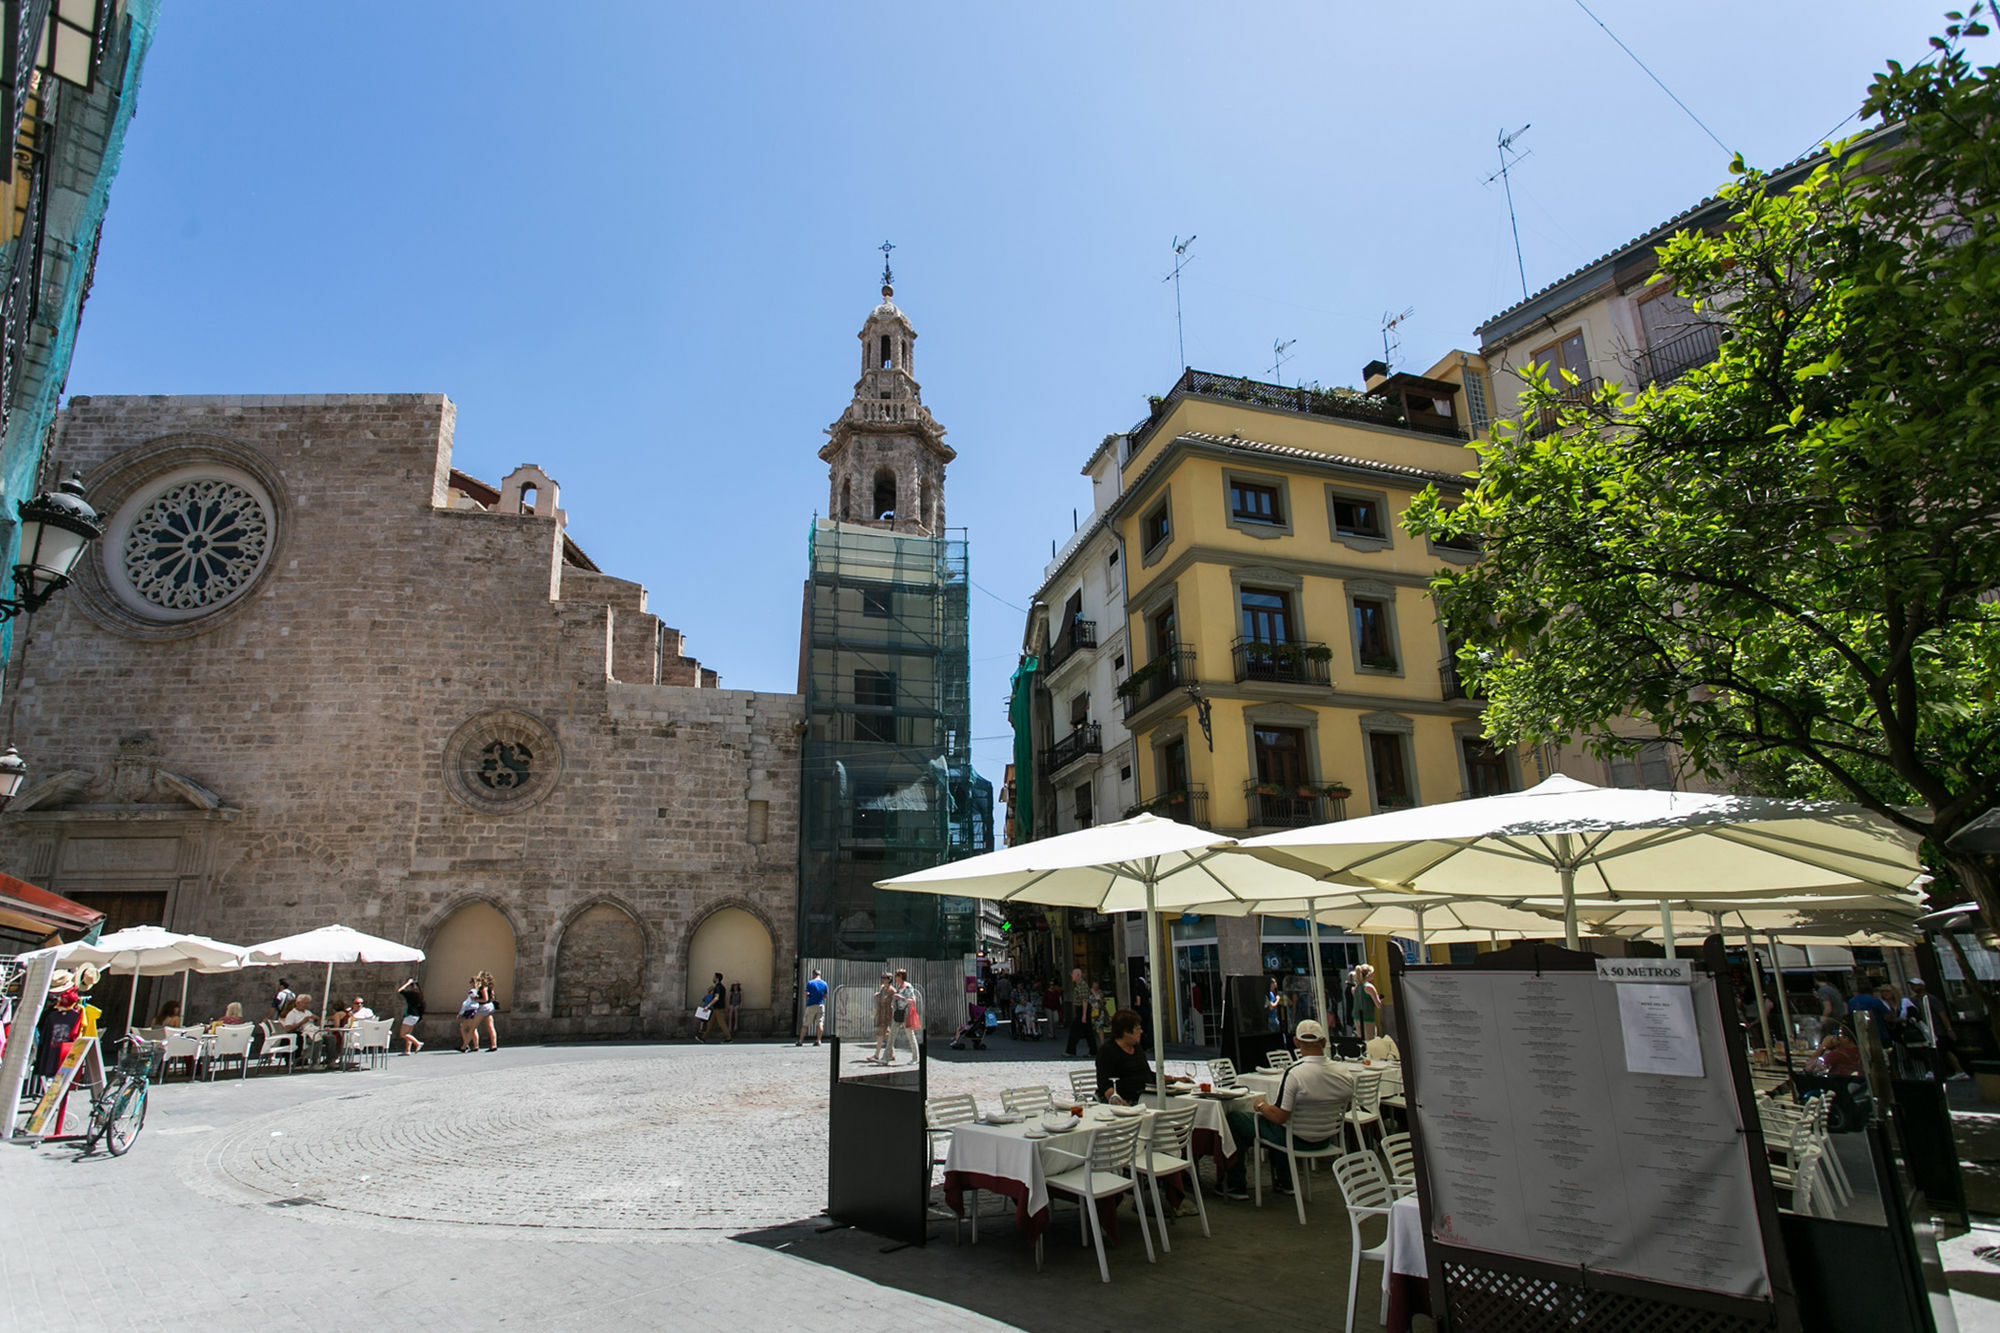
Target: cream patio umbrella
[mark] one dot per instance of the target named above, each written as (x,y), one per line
(150,951)
(1142,864)
(330,945)
(1567,840)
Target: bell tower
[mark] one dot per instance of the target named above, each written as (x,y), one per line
(886,455)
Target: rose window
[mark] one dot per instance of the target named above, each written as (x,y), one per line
(196,545)
(505,766)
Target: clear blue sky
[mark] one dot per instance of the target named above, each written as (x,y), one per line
(633,242)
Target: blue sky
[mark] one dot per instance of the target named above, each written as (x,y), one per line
(634,242)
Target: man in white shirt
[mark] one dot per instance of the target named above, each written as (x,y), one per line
(1311,1078)
(359,1012)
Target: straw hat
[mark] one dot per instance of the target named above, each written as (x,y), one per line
(87,976)
(60,980)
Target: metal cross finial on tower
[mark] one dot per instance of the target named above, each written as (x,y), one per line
(888,277)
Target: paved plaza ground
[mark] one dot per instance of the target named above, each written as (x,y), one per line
(651,1185)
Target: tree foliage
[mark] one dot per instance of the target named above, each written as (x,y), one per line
(1787,560)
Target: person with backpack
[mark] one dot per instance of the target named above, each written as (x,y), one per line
(813,1018)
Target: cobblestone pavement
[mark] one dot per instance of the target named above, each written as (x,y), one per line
(451,1191)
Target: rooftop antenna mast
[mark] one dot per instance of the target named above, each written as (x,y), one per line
(1181,261)
(1392,342)
(1281,352)
(1507,164)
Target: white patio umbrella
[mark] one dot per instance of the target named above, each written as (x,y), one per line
(150,951)
(1567,839)
(330,945)
(1142,864)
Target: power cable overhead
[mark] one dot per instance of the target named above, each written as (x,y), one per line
(1655,78)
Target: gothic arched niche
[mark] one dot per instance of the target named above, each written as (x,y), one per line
(600,965)
(847,498)
(736,944)
(885,493)
(475,938)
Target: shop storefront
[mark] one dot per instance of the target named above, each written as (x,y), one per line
(1286,954)
(1197,980)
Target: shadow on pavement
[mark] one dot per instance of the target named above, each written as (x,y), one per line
(1259,1266)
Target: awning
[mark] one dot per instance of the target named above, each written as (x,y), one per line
(48,911)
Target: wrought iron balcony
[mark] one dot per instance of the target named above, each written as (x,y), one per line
(1452,684)
(1188,807)
(1158,678)
(1086,739)
(1285,663)
(1677,356)
(1272,805)
(1080,634)
(1548,420)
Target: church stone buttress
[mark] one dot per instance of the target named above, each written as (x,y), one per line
(886,455)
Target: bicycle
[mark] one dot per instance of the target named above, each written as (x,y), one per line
(120,1113)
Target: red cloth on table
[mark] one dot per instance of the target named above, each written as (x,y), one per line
(957,1182)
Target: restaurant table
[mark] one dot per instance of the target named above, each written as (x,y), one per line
(1266,1085)
(1405,1274)
(1004,1160)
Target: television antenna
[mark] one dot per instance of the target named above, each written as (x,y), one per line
(1507,164)
(1181,261)
(1392,342)
(1281,352)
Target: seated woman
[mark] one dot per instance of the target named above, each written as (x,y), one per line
(1838,1057)
(232,1016)
(169,1015)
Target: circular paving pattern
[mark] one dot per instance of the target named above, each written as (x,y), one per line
(643,1144)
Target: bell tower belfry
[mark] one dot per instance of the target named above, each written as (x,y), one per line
(886,455)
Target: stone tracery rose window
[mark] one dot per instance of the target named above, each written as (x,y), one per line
(196,545)
(501,762)
(505,765)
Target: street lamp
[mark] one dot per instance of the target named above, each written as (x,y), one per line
(13,772)
(56,526)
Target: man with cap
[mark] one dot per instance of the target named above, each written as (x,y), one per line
(1311,1078)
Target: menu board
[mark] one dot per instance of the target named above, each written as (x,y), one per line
(1539,1143)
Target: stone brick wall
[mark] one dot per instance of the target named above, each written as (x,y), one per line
(318,706)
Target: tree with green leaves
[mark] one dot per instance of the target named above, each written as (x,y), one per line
(1788,560)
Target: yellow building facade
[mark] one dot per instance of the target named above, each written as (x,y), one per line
(1287,667)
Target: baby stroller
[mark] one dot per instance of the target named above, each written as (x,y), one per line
(973,1029)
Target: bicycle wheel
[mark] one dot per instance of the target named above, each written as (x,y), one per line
(128,1116)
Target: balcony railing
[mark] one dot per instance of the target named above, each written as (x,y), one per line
(1274,806)
(1080,634)
(1339,404)
(1188,807)
(1453,684)
(1158,678)
(1086,739)
(1677,356)
(1284,663)
(1549,419)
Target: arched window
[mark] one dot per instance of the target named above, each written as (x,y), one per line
(734,943)
(528,495)
(885,493)
(885,352)
(847,498)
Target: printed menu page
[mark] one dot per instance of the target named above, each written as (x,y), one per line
(1539,1143)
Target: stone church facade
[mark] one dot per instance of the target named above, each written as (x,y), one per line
(313,674)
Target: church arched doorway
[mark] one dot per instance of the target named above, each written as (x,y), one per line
(731,941)
(601,968)
(475,938)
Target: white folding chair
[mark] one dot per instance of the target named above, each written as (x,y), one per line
(1169,1152)
(180,1044)
(1103,1171)
(231,1043)
(1280,1060)
(279,1045)
(1028,1100)
(1366,1108)
(940,1115)
(1399,1157)
(369,1041)
(1311,1121)
(1367,1193)
(1083,1085)
(1222,1073)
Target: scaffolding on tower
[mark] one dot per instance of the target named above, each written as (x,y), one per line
(888,780)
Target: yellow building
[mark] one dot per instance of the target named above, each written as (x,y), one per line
(1287,667)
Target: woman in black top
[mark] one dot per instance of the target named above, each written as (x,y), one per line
(413,1012)
(1122,1072)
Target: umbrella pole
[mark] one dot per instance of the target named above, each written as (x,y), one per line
(1667,926)
(1312,935)
(132,1007)
(1784,1005)
(184,995)
(1153,989)
(1570,939)
(324,990)
(1757,985)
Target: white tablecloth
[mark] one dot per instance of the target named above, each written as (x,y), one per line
(1406,1241)
(1005,1151)
(1266,1085)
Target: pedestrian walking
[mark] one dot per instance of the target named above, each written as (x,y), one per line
(885,1014)
(1832,1006)
(1367,1001)
(904,1013)
(413,1013)
(706,1015)
(813,1019)
(1052,1004)
(282,1000)
(1079,1015)
(487,1005)
(735,1006)
(468,1017)
(1274,1014)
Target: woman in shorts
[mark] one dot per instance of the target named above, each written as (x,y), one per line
(413,1013)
